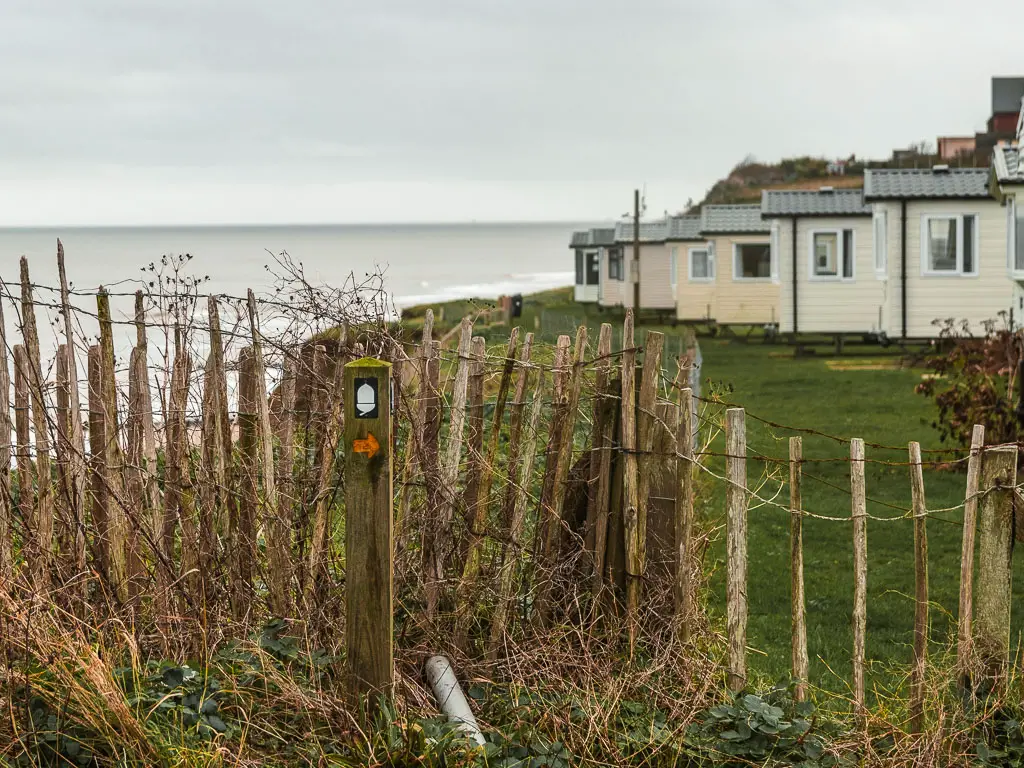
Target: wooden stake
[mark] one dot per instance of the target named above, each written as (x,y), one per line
(515,455)
(286,460)
(141,473)
(520,486)
(442,545)
(631,475)
(736,537)
(221,465)
(23,457)
(995,564)
(180,496)
(475,436)
(547,520)
(859,515)
(323,523)
(369,547)
(964,656)
(74,488)
(100,499)
(920,513)
(113,462)
(684,515)
(574,387)
(6,502)
(475,506)
(801,672)
(40,424)
(479,518)
(248,497)
(277,524)
(430,465)
(600,461)
(645,463)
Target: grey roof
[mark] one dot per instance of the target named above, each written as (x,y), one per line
(899,183)
(732,219)
(685,227)
(1006,164)
(650,231)
(593,238)
(1007,93)
(814,202)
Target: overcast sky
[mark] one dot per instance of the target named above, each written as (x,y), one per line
(204,111)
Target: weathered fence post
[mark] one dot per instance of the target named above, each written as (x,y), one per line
(600,460)
(645,420)
(631,473)
(369,547)
(74,432)
(736,538)
(796,541)
(43,532)
(113,461)
(995,564)
(684,514)
(442,540)
(276,523)
(244,527)
(859,515)
(23,454)
(99,498)
(964,652)
(518,485)
(920,513)
(6,516)
(478,511)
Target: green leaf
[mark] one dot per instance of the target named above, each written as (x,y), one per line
(217,724)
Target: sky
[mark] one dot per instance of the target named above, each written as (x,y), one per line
(261,111)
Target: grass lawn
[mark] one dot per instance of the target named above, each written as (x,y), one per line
(863,400)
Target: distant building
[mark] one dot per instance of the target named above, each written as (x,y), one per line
(952,147)
(1007,93)
(836,168)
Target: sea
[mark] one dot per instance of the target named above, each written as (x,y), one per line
(420,263)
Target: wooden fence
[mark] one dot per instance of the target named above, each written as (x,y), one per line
(528,493)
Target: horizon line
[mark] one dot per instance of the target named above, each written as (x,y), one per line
(268,225)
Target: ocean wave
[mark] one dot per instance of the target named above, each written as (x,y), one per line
(532,282)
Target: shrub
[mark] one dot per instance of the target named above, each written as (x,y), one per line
(973,381)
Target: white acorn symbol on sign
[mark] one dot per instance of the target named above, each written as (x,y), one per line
(365,400)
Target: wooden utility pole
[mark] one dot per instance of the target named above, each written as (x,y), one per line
(369,546)
(635,272)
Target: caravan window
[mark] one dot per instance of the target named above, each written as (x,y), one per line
(949,244)
(752,261)
(615,264)
(700,265)
(593,275)
(832,254)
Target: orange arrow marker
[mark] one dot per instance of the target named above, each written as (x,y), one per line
(369,446)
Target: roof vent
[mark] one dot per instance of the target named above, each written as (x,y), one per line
(940,168)
(826,190)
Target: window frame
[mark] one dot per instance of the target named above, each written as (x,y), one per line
(840,255)
(925,250)
(738,278)
(709,264)
(580,268)
(880,243)
(1012,244)
(587,256)
(615,258)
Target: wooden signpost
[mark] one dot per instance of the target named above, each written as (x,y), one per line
(369,546)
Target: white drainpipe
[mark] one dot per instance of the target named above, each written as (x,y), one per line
(450,698)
